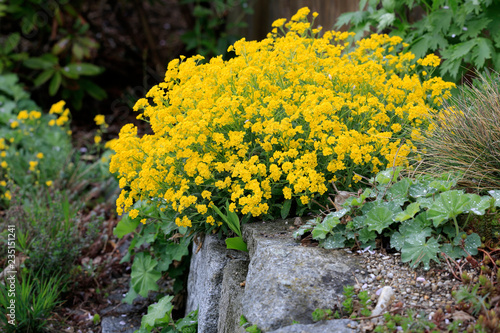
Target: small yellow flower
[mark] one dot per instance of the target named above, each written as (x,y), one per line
(57,107)
(23,115)
(14,124)
(33,165)
(35,115)
(143,221)
(97,139)
(8,196)
(279,22)
(39,155)
(52,122)
(133,213)
(48,183)
(100,120)
(4,165)
(3,183)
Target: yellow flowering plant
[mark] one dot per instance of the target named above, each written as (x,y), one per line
(33,148)
(271,129)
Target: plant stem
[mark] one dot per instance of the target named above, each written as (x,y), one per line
(456,224)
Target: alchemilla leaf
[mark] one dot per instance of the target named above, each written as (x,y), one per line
(448,205)
(335,241)
(158,313)
(144,275)
(379,218)
(409,212)
(418,250)
(322,229)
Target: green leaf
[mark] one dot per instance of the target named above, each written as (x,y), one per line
(79,51)
(407,231)
(125,226)
(11,42)
(442,185)
(131,296)
(191,320)
(418,250)
(243,320)
(478,205)
(85,69)
(496,195)
(409,212)
(386,176)
(55,83)
(93,89)
(483,51)
(60,46)
(335,241)
(440,20)
(425,202)
(385,20)
(471,243)
(236,243)
(458,51)
(421,189)
(421,46)
(231,219)
(448,205)
(285,209)
(325,227)
(379,218)
(358,201)
(144,275)
(43,77)
(46,61)
(158,313)
(70,72)
(475,27)
(398,192)
(173,251)
(451,67)
(338,214)
(366,235)
(452,251)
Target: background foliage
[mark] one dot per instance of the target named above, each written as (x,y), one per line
(465,34)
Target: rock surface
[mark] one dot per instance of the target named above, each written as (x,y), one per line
(232,294)
(326,326)
(285,282)
(205,280)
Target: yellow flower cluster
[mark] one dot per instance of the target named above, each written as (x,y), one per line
(64,114)
(281,120)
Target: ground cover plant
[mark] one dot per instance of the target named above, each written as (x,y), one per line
(463,33)
(33,146)
(419,216)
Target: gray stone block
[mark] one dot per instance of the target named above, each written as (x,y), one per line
(205,281)
(286,281)
(230,305)
(326,326)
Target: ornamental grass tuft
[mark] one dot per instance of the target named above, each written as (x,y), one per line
(467,135)
(279,122)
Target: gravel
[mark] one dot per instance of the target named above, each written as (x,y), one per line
(418,289)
